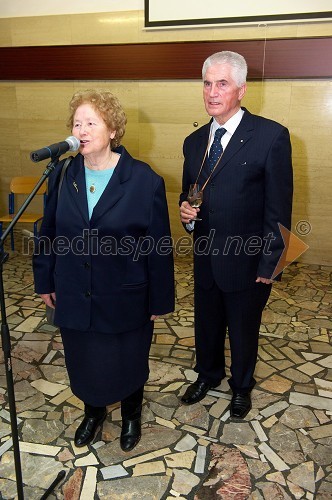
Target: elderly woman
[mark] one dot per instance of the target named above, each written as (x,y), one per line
(104,261)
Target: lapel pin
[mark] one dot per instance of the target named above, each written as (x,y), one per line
(241,140)
(75,186)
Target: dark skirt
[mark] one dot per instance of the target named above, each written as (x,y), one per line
(106,368)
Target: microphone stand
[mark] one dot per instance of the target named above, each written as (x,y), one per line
(5,336)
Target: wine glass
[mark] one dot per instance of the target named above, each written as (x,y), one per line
(195,197)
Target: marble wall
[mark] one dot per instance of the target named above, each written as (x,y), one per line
(162,113)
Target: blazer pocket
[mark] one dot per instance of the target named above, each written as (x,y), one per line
(134,285)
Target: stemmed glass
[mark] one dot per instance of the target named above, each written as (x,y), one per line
(195,197)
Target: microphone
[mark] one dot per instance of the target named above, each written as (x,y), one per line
(57,149)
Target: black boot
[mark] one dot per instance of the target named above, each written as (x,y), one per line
(131,409)
(93,419)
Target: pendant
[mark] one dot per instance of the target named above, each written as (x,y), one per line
(92,188)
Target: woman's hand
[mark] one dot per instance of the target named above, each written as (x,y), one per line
(267,281)
(153,317)
(187,213)
(49,299)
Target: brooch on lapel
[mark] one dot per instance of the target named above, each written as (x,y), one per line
(75,186)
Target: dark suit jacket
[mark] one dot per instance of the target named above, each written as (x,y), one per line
(110,273)
(249,193)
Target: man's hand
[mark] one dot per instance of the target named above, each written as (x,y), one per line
(187,213)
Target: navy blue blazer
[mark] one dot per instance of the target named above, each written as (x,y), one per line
(110,273)
(248,195)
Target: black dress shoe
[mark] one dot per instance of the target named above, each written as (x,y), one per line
(195,392)
(130,434)
(86,431)
(240,405)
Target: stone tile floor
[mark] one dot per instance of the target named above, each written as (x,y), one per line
(283,448)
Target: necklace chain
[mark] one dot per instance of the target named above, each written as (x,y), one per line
(102,163)
(92,187)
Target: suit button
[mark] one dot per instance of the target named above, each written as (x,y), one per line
(212,211)
(88,293)
(87,265)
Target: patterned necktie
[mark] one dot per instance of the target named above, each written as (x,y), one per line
(216,148)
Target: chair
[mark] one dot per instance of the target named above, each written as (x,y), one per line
(18,186)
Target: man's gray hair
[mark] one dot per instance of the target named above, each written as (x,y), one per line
(235,60)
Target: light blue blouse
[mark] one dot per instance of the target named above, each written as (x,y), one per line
(96,182)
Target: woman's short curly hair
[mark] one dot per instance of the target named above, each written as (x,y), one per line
(107,105)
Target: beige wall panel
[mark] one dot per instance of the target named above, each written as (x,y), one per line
(45,101)
(131,114)
(8,108)
(253,98)
(40,133)
(41,30)
(302,208)
(311,103)
(303,165)
(169,169)
(10,163)
(116,27)
(318,219)
(160,140)
(319,242)
(300,155)
(315,146)
(275,101)
(172,103)
(131,139)
(313,188)
(28,167)
(5,33)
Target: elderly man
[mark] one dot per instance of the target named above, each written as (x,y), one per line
(243,164)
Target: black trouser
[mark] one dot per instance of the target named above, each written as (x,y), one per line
(238,312)
(131,407)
